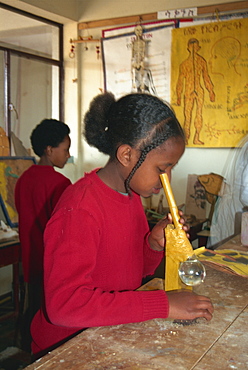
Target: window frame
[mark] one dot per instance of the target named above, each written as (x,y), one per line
(7,61)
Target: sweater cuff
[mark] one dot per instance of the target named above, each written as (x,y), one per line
(155,304)
(148,247)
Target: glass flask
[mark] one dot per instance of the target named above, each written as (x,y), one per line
(192,272)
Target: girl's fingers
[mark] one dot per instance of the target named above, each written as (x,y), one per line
(206,314)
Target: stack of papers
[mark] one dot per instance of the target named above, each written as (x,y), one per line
(228,260)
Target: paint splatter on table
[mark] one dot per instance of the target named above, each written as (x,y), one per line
(162,344)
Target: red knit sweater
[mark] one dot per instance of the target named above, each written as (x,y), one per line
(96,254)
(36,194)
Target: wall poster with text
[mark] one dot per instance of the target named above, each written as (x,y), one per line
(209,82)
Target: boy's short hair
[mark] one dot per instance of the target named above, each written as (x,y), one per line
(50,132)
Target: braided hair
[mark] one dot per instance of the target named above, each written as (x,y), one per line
(142,121)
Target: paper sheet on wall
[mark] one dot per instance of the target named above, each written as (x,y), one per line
(117,61)
(11,169)
(209,82)
(118,31)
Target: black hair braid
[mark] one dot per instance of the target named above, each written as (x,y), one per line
(138,164)
(141,159)
(142,121)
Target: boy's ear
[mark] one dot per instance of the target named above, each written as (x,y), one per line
(48,150)
(124,154)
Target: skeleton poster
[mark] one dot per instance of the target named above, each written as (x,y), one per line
(209,82)
(118,61)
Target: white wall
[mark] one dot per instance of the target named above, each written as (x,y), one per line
(99,9)
(65,8)
(194,161)
(84,79)
(87,70)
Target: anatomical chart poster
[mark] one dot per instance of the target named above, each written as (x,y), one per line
(117,56)
(209,82)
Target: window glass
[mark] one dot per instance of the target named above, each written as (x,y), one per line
(34,95)
(31,75)
(28,35)
(2,89)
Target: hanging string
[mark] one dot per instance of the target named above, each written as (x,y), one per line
(86,38)
(72,50)
(75,78)
(72,56)
(98,51)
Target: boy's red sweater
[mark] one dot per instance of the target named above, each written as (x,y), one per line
(96,254)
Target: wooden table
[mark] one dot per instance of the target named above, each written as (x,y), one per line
(10,252)
(234,243)
(161,344)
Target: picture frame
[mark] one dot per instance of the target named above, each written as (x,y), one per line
(11,168)
(3,212)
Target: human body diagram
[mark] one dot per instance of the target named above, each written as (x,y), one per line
(142,80)
(191,71)
(224,62)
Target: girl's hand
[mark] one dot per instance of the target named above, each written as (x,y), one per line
(157,235)
(186,305)
(183,222)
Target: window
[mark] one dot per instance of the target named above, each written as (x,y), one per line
(31,73)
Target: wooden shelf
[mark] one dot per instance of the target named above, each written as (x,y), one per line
(117,21)
(79,41)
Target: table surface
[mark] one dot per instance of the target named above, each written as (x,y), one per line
(9,242)
(234,243)
(163,344)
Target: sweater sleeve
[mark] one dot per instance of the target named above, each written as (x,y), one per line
(152,258)
(73,294)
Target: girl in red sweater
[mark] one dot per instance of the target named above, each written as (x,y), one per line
(98,246)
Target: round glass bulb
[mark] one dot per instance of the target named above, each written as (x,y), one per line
(192,272)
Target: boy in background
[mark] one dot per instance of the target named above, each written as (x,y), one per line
(36,193)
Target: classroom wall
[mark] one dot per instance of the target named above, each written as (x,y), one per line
(86,69)
(98,9)
(194,161)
